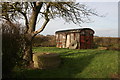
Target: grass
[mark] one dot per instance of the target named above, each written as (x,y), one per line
(90,63)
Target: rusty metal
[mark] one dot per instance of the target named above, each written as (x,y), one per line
(84,38)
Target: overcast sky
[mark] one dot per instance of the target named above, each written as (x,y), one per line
(104,26)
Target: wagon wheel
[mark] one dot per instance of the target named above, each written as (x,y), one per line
(73,45)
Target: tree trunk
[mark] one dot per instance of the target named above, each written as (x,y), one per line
(28,53)
(28,45)
(31,28)
(28,48)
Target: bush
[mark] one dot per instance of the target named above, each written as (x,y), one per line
(11,47)
(44,41)
(111,43)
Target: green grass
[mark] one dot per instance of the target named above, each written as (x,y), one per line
(90,63)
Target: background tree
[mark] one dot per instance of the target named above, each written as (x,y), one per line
(29,11)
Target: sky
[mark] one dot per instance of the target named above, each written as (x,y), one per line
(103,26)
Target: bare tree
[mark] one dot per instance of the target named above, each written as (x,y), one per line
(29,11)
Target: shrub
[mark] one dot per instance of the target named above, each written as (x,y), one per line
(111,43)
(44,41)
(11,47)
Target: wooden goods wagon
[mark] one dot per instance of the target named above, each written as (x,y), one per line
(75,38)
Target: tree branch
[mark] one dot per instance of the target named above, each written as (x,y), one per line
(41,29)
(45,23)
(26,19)
(24,15)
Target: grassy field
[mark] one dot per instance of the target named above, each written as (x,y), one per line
(91,63)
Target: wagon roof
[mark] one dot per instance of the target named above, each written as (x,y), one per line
(74,30)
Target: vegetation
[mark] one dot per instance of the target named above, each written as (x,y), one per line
(44,41)
(112,43)
(12,44)
(75,63)
(90,63)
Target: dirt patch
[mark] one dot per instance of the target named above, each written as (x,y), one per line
(116,76)
(102,48)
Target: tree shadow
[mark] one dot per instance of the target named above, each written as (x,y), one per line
(72,66)
(69,68)
(68,53)
(73,53)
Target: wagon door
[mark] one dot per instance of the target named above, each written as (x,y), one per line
(86,39)
(89,39)
(82,40)
(88,42)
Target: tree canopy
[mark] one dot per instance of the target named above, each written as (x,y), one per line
(69,11)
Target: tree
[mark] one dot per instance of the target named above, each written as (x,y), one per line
(69,11)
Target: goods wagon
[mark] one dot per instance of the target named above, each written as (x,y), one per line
(75,38)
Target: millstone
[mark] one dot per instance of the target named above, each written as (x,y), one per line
(46,60)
